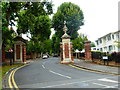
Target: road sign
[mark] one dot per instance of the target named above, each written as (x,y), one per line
(10,50)
(105,57)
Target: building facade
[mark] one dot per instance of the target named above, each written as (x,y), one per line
(108,43)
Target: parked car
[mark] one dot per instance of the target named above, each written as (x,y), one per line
(55,55)
(45,56)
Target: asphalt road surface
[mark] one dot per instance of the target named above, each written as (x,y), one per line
(49,73)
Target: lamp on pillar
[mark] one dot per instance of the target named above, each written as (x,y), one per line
(66,47)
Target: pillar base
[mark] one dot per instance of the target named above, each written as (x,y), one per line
(19,62)
(88,59)
(67,61)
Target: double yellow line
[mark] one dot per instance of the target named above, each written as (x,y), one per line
(11,81)
(94,70)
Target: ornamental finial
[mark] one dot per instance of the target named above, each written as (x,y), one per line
(65,28)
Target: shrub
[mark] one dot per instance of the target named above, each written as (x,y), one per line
(82,54)
(115,56)
(97,55)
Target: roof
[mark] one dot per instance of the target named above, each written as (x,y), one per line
(65,36)
(87,41)
(108,34)
(19,38)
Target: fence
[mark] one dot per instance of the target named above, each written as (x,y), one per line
(98,57)
(9,55)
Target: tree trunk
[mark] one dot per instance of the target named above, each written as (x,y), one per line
(3,54)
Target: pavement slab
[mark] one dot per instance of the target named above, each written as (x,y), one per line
(89,65)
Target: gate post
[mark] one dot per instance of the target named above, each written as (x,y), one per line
(66,48)
(87,47)
(20,50)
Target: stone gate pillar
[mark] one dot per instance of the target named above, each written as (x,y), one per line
(87,47)
(19,50)
(66,48)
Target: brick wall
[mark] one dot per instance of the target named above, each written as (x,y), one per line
(18,51)
(61,52)
(72,57)
(66,50)
(87,47)
(24,53)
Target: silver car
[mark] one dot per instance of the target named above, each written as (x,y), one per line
(45,56)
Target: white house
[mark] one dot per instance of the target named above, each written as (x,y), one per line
(107,42)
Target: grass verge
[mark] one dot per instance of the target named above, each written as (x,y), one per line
(5,69)
(8,67)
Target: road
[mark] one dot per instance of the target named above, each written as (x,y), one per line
(49,73)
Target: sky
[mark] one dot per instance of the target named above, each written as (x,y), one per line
(100,16)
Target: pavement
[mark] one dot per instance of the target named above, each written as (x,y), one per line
(32,60)
(88,64)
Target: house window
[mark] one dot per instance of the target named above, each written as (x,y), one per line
(112,36)
(98,49)
(94,48)
(117,35)
(105,49)
(109,37)
(100,41)
(118,49)
(113,47)
(101,49)
(110,48)
(97,42)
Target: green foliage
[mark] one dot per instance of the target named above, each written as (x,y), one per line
(78,43)
(118,43)
(39,47)
(38,27)
(32,17)
(9,13)
(73,16)
(97,54)
(47,46)
(55,44)
(6,68)
(92,44)
(35,20)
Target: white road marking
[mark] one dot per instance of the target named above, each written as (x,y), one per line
(77,82)
(60,74)
(43,66)
(53,86)
(108,80)
(112,86)
(100,84)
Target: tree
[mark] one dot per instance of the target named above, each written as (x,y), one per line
(9,13)
(35,20)
(39,46)
(32,17)
(73,16)
(92,44)
(47,46)
(78,43)
(55,44)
